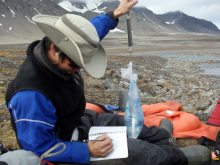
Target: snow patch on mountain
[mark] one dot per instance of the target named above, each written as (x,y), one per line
(68,6)
(117,30)
(13,13)
(171,22)
(37,11)
(30,20)
(90,6)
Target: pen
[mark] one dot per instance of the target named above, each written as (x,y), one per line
(95,140)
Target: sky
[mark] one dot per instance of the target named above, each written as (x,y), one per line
(202,9)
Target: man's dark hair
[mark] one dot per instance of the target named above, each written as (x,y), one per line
(47,44)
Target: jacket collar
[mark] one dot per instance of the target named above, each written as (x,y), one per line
(40,54)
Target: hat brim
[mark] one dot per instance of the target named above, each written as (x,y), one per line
(95,68)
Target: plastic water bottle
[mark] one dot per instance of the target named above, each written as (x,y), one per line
(133,118)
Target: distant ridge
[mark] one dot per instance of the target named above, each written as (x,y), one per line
(188,23)
(16,23)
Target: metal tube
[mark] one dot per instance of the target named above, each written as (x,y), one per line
(130,44)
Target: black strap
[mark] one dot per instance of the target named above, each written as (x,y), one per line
(212,124)
(44,163)
(206,142)
(212,162)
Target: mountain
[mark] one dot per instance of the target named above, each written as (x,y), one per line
(143,20)
(16,23)
(140,24)
(156,23)
(187,23)
(15,17)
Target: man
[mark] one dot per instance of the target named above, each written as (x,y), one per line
(47,102)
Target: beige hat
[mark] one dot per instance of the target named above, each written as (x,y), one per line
(77,38)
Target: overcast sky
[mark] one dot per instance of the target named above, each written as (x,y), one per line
(202,9)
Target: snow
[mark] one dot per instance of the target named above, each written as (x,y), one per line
(69,7)
(153,22)
(3,15)
(0,24)
(94,7)
(90,6)
(97,11)
(3,1)
(10,28)
(30,20)
(171,22)
(117,30)
(12,11)
(37,11)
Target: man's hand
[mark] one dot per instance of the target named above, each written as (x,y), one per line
(124,7)
(100,148)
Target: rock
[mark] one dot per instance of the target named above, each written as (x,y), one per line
(162,92)
(140,81)
(115,81)
(109,84)
(151,72)
(161,82)
(123,84)
(110,72)
(210,109)
(207,94)
(201,105)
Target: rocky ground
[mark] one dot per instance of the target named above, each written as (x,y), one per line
(159,80)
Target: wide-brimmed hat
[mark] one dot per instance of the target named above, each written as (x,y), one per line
(77,38)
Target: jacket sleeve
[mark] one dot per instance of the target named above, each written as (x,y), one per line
(35,119)
(103,23)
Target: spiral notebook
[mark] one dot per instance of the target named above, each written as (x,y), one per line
(118,135)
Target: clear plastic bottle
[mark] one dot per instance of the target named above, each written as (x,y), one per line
(133,118)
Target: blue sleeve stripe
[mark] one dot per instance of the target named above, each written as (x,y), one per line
(34,121)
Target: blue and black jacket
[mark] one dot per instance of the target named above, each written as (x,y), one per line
(36,116)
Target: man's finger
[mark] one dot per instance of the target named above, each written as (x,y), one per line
(106,149)
(108,152)
(132,3)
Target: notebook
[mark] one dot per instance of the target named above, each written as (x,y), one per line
(118,135)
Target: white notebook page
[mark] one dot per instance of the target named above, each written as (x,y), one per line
(118,134)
